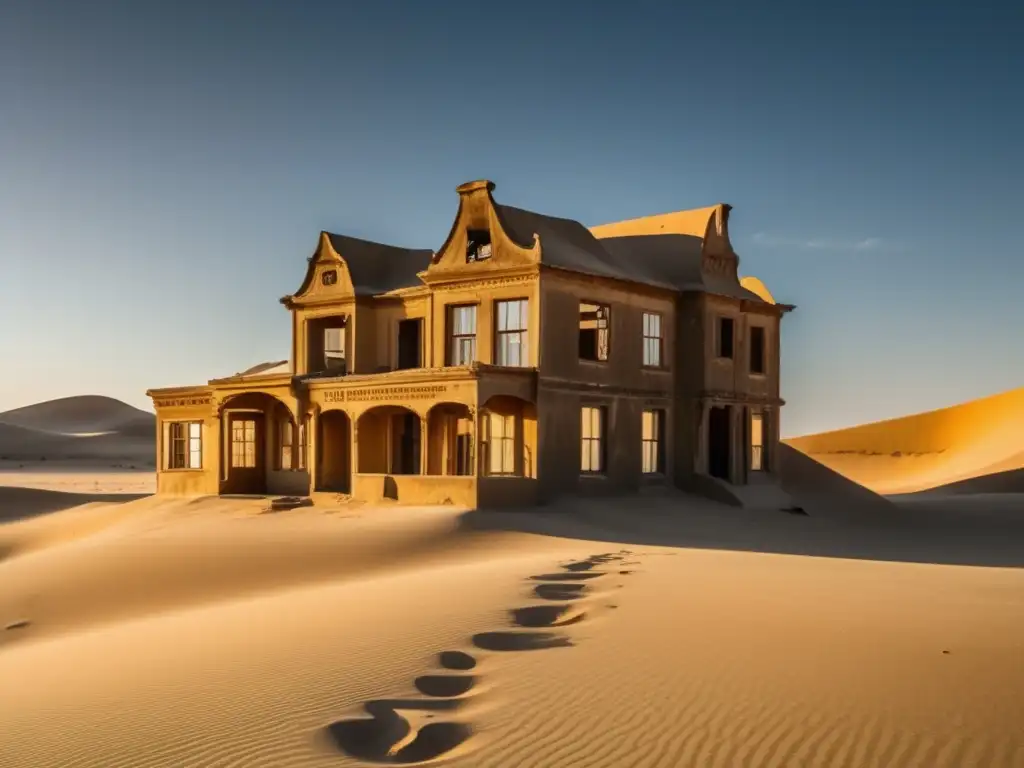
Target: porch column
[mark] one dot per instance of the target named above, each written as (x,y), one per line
(313,450)
(353,449)
(424,444)
(474,419)
(701,465)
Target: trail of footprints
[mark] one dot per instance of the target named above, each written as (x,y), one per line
(419,730)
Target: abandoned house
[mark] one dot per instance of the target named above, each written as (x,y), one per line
(526,358)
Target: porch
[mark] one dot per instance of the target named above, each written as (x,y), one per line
(438,439)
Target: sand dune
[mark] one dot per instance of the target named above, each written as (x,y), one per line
(83,414)
(927,450)
(86,428)
(207,633)
(820,491)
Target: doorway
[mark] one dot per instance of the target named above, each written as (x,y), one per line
(718,441)
(334,452)
(246,461)
(409,343)
(405,445)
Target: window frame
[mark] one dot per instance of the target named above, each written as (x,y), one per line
(285,429)
(657,441)
(763,361)
(186,440)
(590,440)
(478,254)
(597,339)
(523,333)
(719,337)
(758,454)
(502,443)
(332,353)
(244,442)
(660,339)
(451,337)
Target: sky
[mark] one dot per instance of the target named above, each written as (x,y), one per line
(165,169)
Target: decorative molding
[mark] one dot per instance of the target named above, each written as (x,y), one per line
(466,281)
(187,401)
(562,385)
(739,398)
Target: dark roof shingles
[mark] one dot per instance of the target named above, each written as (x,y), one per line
(379,268)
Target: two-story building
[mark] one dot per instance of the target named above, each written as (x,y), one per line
(526,358)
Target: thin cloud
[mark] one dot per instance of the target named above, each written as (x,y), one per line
(819,243)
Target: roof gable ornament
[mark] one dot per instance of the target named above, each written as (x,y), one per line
(479,239)
(327,275)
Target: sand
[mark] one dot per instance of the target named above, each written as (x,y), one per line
(965,443)
(661,630)
(161,632)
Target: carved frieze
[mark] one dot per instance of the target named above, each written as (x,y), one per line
(491,282)
(181,402)
(385,394)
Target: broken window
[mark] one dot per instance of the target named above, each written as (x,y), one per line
(478,245)
(725,325)
(756,349)
(593,331)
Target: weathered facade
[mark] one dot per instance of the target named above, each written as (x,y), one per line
(527,358)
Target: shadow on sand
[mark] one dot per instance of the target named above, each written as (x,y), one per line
(24,503)
(980,532)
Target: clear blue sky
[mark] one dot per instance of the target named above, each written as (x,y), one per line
(165,169)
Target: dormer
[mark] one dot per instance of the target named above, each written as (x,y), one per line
(479,239)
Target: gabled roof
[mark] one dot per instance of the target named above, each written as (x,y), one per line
(671,261)
(379,268)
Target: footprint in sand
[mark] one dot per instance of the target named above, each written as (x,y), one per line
(419,730)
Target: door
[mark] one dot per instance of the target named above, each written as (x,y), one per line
(718,442)
(246,460)
(409,343)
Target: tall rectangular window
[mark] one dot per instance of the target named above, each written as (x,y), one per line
(501,444)
(512,322)
(725,326)
(593,331)
(463,443)
(756,349)
(592,439)
(334,349)
(756,442)
(185,445)
(243,443)
(651,447)
(652,340)
(300,452)
(462,334)
(286,439)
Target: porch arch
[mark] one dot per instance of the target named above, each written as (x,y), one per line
(389,440)
(508,437)
(334,451)
(258,439)
(451,437)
